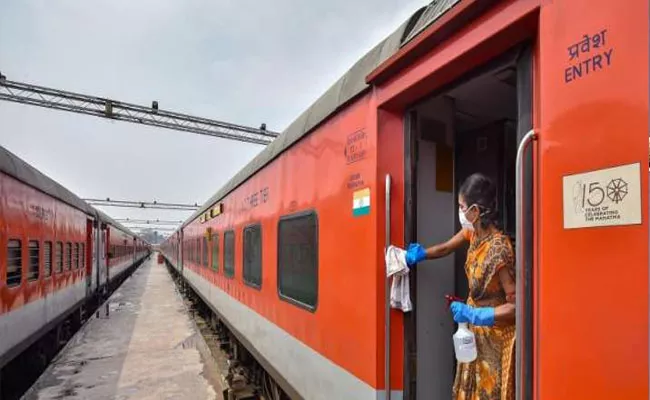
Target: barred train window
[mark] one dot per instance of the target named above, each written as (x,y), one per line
(59,256)
(34,256)
(205,251)
(298,259)
(76,256)
(14,262)
(253,255)
(229,254)
(47,259)
(68,253)
(215,252)
(82,256)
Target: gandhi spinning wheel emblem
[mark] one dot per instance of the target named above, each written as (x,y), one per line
(617,190)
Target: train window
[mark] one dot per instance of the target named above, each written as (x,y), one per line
(59,257)
(229,254)
(205,251)
(34,258)
(47,259)
(298,259)
(14,262)
(253,256)
(82,259)
(68,256)
(197,252)
(215,252)
(76,256)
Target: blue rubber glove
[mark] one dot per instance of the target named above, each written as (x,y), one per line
(475,316)
(414,254)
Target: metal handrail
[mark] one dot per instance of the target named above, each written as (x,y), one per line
(519,268)
(387,299)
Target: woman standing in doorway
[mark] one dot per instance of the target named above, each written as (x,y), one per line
(490,308)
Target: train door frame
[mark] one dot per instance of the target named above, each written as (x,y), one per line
(106,254)
(88,251)
(505,25)
(524,98)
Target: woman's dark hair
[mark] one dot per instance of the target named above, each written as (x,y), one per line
(480,190)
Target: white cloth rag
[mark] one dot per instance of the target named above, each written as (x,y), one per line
(400,295)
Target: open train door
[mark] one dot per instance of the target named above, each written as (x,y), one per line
(480,122)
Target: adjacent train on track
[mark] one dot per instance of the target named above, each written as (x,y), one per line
(59,257)
(550,99)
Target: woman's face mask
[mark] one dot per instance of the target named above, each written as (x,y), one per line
(464,222)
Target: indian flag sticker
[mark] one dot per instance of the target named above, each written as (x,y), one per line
(361,202)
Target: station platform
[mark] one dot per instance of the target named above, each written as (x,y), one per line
(142,344)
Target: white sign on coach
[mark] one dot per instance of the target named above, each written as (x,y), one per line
(607,197)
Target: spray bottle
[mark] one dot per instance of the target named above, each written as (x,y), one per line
(464,340)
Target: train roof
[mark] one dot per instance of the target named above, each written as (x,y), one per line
(19,169)
(349,86)
(104,217)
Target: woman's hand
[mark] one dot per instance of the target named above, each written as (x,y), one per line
(414,254)
(476,316)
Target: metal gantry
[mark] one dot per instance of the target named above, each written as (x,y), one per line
(127,221)
(141,204)
(158,228)
(41,96)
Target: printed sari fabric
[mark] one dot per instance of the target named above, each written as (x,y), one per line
(492,375)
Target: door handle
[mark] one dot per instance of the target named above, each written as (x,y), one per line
(519,257)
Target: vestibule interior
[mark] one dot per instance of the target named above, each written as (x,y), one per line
(469,127)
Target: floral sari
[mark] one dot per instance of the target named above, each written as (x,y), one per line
(492,375)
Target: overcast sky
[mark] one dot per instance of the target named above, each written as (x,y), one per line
(241,61)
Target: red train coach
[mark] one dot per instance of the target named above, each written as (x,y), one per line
(550,99)
(53,257)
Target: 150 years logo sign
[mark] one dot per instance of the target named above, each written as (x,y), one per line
(606,197)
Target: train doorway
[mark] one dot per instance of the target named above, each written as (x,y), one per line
(473,125)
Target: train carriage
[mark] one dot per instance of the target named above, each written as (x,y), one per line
(53,260)
(550,99)
(43,251)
